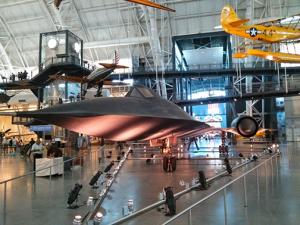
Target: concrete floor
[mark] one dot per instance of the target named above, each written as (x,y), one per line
(38,201)
(278,201)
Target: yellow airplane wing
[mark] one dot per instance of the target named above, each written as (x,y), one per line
(240,55)
(283,21)
(275,56)
(68,78)
(151,4)
(113,65)
(19,135)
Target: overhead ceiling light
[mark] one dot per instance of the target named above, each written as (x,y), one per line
(76,47)
(52,43)
(218,27)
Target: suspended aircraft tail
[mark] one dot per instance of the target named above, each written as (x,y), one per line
(115,64)
(229,17)
(151,4)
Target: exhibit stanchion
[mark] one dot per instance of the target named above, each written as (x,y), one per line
(225,205)
(4,203)
(257,183)
(50,173)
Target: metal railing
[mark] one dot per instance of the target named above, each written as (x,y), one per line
(224,189)
(105,190)
(65,59)
(291,84)
(177,195)
(33,173)
(206,67)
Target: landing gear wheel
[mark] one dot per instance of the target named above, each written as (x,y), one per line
(169,163)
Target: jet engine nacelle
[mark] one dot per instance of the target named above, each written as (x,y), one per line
(246,126)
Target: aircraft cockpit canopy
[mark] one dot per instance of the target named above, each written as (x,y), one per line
(140,92)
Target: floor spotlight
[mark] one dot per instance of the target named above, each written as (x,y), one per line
(108,168)
(170,201)
(202,180)
(73,196)
(77,220)
(228,167)
(98,218)
(94,179)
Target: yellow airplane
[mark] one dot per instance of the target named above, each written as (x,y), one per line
(232,24)
(264,32)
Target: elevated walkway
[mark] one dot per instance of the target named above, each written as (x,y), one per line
(69,65)
(288,87)
(210,70)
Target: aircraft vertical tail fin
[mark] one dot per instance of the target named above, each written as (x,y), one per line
(117,58)
(229,17)
(115,63)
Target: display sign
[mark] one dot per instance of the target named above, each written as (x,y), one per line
(41,128)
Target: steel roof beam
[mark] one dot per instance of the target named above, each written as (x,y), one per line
(12,38)
(84,29)
(116,42)
(16,3)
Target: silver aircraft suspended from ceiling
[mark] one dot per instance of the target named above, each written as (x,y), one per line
(95,78)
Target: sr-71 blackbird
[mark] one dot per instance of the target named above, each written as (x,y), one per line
(140,115)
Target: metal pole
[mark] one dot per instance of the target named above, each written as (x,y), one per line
(95,158)
(278,75)
(272,166)
(81,163)
(266,176)
(4,205)
(63,174)
(276,162)
(50,173)
(245,191)
(272,170)
(257,183)
(286,83)
(102,153)
(190,217)
(72,167)
(225,206)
